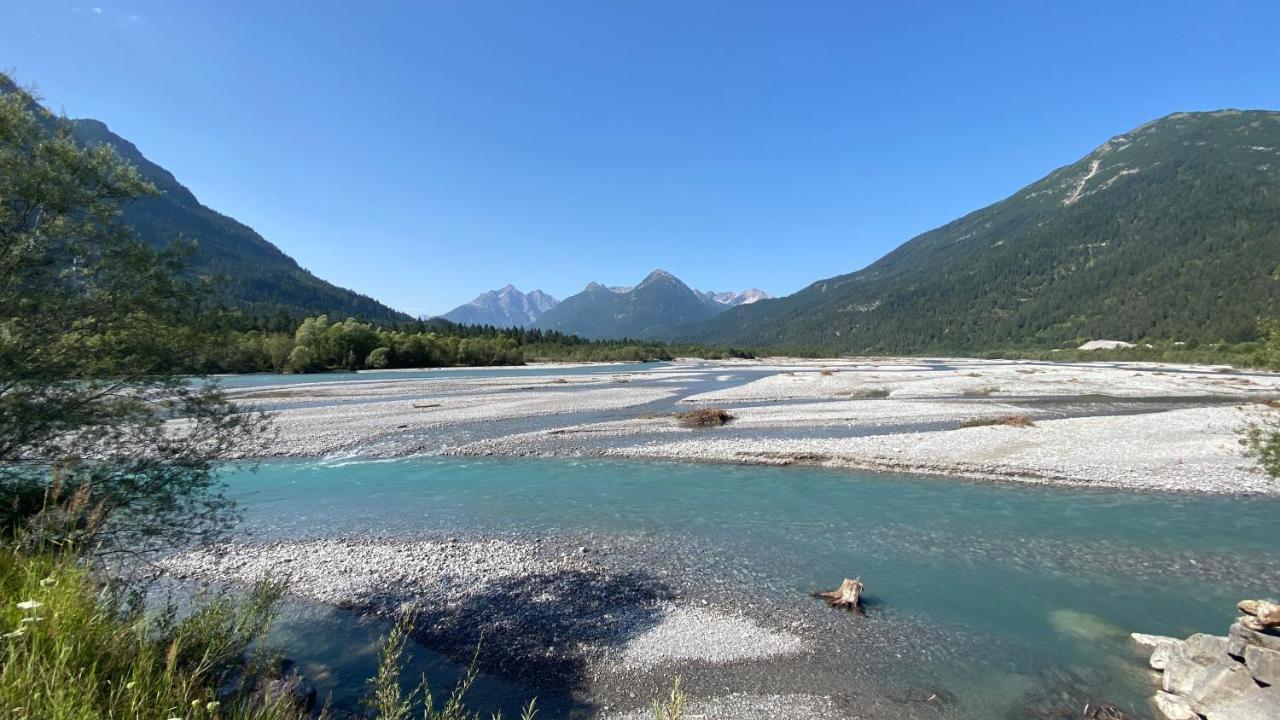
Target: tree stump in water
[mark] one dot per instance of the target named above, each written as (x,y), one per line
(848,595)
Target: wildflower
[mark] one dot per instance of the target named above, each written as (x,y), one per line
(49,581)
(29,604)
(26,620)
(212,705)
(22,630)
(131,685)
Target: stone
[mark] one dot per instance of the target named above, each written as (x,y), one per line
(1173,707)
(1152,641)
(1258,704)
(1160,656)
(1263,664)
(1265,613)
(1180,670)
(1239,637)
(1202,645)
(1221,683)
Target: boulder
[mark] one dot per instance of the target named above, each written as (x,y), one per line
(1263,663)
(1173,707)
(1202,645)
(1180,671)
(1257,704)
(1219,684)
(1240,637)
(1151,642)
(1265,613)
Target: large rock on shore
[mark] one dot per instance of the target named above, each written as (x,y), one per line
(1264,664)
(1219,678)
(1259,704)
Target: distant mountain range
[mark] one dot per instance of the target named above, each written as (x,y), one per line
(1171,231)
(651,309)
(507,307)
(258,277)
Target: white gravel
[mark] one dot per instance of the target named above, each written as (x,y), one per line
(438,577)
(697,634)
(889,414)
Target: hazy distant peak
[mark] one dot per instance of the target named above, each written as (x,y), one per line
(506,307)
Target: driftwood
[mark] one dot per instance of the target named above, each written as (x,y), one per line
(848,595)
(1260,614)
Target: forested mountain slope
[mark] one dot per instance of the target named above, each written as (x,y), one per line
(256,275)
(1171,231)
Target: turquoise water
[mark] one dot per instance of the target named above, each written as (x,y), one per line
(251,380)
(1013,579)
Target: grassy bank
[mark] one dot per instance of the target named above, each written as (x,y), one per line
(73,648)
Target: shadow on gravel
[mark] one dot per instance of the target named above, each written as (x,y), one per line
(542,629)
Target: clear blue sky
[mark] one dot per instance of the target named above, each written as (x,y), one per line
(422,152)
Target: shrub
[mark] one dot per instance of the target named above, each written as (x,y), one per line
(1262,441)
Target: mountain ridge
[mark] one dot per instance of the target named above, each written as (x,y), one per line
(504,307)
(1170,230)
(647,310)
(256,276)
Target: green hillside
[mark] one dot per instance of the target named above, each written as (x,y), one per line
(1170,232)
(254,275)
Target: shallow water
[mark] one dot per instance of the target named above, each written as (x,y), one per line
(1017,580)
(255,380)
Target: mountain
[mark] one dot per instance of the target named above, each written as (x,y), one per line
(257,276)
(1171,231)
(651,309)
(734,299)
(507,307)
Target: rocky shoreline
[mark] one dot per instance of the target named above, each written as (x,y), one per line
(1232,677)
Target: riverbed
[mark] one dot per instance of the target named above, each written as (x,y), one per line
(593,548)
(594,583)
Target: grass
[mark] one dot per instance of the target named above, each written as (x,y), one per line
(1018,421)
(74,649)
(673,706)
(389,701)
(704,417)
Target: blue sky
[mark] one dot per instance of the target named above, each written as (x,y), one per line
(422,152)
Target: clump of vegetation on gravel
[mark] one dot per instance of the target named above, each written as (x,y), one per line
(704,417)
(1019,421)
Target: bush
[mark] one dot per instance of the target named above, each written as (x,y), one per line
(1262,441)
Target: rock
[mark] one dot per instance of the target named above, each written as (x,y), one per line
(1264,664)
(1152,641)
(1160,657)
(1240,637)
(1202,645)
(1218,684)
(1082,625)
(289,684)
(1257,704)
(1173,707)
(1180,670)
(1266,613)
